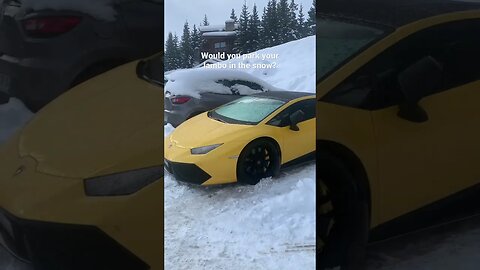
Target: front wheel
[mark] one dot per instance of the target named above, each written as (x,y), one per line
(259,159)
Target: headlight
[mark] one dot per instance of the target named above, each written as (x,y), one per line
(204,149)
(125,183)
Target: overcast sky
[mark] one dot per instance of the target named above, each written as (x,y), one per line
(178,11)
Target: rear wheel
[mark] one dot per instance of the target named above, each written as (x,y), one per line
(259,159)
(344,218)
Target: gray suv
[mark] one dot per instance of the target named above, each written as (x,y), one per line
(44,52)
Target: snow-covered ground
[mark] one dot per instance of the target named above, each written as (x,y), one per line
(267,226)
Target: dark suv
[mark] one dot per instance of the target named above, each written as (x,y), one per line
(45,49)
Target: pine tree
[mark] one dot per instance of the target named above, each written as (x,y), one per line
(242,44)
(186,48)
(269,25)
(311,21)
(233,16)
(205,21)
(176,54)
(293,24)
(169,53)
(301,23)
(254,30)
(196,38)
(282,26)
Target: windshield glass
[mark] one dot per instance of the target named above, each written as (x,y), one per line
(338,41)
(151,70)
(246,110)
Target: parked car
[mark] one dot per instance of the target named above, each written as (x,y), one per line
(397,131)
(245,140)
(190,92)
(81,185)
(45,49)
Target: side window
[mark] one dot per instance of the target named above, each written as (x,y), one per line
(283,118)
(375,86)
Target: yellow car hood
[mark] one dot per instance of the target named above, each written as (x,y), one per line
(203,131)
(106,121)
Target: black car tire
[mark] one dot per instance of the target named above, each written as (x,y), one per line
(259,159)
(346,240)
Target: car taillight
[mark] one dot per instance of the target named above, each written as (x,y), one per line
(180,100)
(50,26)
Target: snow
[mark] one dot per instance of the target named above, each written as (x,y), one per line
(267,226)
(295,71)
(13,116)
(295,66)
(220,34)
(195,81)
(100,9)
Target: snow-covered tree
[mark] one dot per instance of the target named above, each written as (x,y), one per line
(196,38)
(301,24)
(233,16)
(186,48)
(311,21)
(293,23)
(242,43)
(172,54)
(269,31)
(283,19)
(205,21)
(254,25)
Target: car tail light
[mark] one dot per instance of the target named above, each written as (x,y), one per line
(50,26)
(180,100)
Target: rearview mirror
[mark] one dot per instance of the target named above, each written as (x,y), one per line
(296,118)
(417,81)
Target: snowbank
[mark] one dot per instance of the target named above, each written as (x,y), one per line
(13,116)
(267,226)
(100,9)
(295,67)
(195,81)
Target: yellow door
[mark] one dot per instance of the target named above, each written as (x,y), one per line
(420,163)
(424,161)
(296,143)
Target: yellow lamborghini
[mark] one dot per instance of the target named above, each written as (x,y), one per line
(81,186)
(243,141)
(398,118)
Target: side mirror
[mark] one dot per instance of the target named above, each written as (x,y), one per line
(296,118)
(417,81)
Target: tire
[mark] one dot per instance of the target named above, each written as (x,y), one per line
(259,159)
(344,218)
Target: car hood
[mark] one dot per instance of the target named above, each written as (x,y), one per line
(112,119)
(203,131)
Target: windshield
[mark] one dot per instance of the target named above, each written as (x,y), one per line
(151,70)
(246,110)
(338,41)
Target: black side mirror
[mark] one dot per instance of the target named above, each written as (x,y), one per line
(417,81)
(296,118)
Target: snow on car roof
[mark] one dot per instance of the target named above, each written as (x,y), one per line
(194,82)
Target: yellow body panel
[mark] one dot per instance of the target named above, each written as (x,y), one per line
(221,163)
(110,124)
(408,165)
